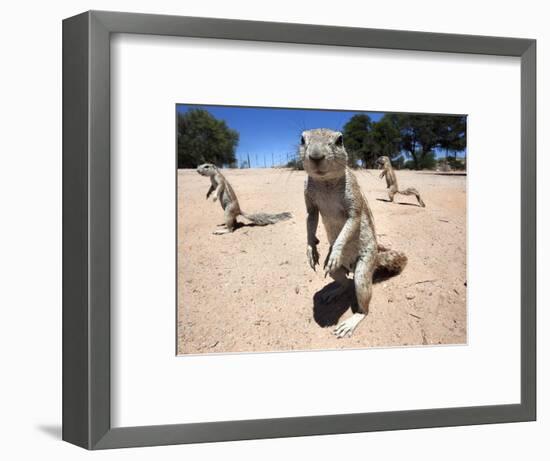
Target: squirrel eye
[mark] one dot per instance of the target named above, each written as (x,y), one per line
(303,141)
(339,140)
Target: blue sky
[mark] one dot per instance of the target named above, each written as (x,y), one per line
(267,133)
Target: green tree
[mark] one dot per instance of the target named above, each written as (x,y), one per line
(418,137)
(385,138)
(453,136)
(358,141)
(426,162)
(398,162)
(203,138)
(295,163)
(421,134)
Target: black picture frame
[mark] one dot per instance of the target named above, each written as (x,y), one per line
(86,229)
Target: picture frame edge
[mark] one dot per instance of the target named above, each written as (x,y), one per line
(86,230)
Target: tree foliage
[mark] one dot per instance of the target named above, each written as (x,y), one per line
(416,136)
(385,137)
(453,137)
(357,136)
(295,163)
(202,138)
(421,134)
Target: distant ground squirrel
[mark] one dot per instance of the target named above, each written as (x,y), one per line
(331,189)
(391,181)
(228,200)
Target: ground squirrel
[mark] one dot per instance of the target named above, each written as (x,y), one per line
(391,181)
(331,189)
(228,200)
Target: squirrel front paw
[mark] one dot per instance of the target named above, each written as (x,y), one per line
(312,256)
(334,261)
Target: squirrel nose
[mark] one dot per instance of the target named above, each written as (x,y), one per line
(316,155)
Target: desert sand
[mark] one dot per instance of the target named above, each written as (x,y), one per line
(253,291)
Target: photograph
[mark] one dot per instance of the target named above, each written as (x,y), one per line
(308,229)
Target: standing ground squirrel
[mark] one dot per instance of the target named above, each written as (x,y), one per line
(228,200)
(391,181)
(331,189)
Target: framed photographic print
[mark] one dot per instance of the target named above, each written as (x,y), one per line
(275,230)
(268,150)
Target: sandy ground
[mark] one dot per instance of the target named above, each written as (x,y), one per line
(253,290)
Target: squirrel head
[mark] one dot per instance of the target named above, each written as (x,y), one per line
(207,169)
(323,153)
(383,161)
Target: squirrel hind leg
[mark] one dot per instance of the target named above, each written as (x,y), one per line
(392,192)
(362,279)
(230,222)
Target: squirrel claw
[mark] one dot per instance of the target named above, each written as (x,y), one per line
(332,263)
(312,256)
(347,327)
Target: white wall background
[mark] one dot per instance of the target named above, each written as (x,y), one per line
(30,243)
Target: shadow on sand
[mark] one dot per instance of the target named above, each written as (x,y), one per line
(238,225)
(398,203)
(328,314)
(446,173)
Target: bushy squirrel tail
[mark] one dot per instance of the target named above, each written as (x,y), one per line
(391,260)
(264,219)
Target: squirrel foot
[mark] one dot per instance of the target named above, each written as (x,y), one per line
(221,231)
(348,326)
